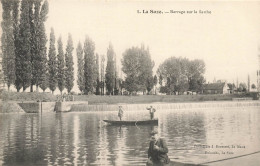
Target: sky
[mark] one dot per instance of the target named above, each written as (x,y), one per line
(227,39)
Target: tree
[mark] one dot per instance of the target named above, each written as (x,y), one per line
(15,14)
(196,69)
(52,63)
(60,66)
(43,69)
(131,67)
(253,86)
(23,59)
(38,43)
(80,81)
(149,83)
(69,70)
(110,70)
(33,21)
(45,75)
(102,83)
(182,74)
(137,65)
(242,87)
(89,48)
(8,46)
(160,79)
(116,84)
(155,82)
(97,84)
(145,76)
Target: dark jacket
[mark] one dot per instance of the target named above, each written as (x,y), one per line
(158,155)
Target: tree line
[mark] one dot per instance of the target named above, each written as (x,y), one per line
(24,43)
(28,63)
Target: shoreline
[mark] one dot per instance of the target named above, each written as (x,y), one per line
(44,107)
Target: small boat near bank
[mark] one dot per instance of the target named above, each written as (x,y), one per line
(133,122)
(175,163)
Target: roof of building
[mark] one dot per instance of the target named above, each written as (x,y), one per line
(214,86)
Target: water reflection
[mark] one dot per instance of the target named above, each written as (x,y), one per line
(84,139)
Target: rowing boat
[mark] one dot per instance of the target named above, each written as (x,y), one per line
(175,163)
(132,122)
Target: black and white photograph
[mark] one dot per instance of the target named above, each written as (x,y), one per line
(129,83)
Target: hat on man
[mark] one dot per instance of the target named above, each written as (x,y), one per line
(154,132)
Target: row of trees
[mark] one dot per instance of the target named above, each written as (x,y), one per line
(60,71)
(241,87)
(24,43)
(180,75)
(26,64)
(25,61)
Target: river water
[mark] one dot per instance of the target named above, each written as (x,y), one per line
(82,138)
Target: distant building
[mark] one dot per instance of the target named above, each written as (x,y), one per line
(216,88)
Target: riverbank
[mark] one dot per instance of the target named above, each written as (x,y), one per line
(142,99)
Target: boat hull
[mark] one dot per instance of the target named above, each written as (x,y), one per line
(175,163)
(140,122)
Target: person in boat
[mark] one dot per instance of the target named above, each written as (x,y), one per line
(120,112)
(157,152)
(152,111)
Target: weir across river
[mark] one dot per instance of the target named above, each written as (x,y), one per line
(83,106)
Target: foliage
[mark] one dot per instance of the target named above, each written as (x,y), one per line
(137,65)
(149,83)
(253,86)
(242,87)
(97,83)
(231,86)
(60,66)
(80,81)
(160,79)
(43,80)
(102,74)
(23,59)
(52,63)
(38,44)
(89,65)
(69,70)
(8,46)
(34,51)
(15,10)
(110,70)
(181,74)
(155,80)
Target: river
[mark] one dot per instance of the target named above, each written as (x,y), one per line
(82,138)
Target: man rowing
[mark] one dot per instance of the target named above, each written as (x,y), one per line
(152,111)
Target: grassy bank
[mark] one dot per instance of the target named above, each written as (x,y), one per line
(27,96)
(93,99)
(154,98)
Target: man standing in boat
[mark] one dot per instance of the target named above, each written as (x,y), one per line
(120,112)
(157,152)
(152,111)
